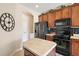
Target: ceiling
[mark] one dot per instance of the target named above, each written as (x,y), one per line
(43,7)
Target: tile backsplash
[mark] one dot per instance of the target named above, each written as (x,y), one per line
(75,30)
(51,30)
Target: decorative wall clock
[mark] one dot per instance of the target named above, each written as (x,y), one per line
(7,22)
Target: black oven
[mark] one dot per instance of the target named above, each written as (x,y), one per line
(62,37)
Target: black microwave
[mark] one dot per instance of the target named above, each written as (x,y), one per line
(63,22)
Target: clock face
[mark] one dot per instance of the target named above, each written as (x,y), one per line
(7,22)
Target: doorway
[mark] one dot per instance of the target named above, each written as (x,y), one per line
(27,26)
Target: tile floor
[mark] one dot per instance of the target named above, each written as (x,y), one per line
(21,53)
(57,54)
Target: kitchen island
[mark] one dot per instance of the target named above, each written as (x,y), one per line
(39,47)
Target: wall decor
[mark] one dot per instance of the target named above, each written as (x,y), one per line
(7,22)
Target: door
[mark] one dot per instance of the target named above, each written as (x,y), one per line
(75,15)
(59,14)
(75,47)
(51,19)
(45,17)
(25,30)
(66,12)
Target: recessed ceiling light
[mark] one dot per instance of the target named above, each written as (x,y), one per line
(36,5)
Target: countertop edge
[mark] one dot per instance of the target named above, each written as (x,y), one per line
(74,37)
(50,50)
(30,51)
(46,53)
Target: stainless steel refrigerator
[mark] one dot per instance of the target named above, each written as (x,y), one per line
(41,29)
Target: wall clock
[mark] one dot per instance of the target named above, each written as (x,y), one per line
(7,22)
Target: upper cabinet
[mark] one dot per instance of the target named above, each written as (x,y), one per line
(40,18)
(45,17)
(51,19)
(66,12)
(75,15)
(58,14)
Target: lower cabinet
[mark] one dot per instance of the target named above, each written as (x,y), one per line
(75,47)
(50,38)
(28,53)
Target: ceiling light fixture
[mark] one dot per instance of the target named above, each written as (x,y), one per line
(37,6)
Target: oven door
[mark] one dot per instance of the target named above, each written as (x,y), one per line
(63,47)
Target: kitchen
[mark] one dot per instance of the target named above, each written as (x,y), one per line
(61,26)
(41,31)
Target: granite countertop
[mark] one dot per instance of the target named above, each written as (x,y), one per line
(75,37)
(39,47)
(51,34)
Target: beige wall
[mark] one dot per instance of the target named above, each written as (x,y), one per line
(10,41)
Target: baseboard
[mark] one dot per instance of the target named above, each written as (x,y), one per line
(13,53)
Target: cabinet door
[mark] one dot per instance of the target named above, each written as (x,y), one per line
(51,19)
(45,17)
(28,53)
(40,18)
(75,15)
(50,38)
(75,47)
(59,14)
(66,12)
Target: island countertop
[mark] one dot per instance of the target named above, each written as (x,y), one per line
(39,47)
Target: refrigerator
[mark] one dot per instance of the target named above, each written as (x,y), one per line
(41,29)
(37,29)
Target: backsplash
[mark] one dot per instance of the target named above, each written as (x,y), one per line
(50,30)
(75,30)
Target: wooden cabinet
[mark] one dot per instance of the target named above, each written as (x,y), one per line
(28,53)
(66,12)
(59,14)
(45,17)
(51,19)
(50,38)
(75,47)
(40,18)
(75,15)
